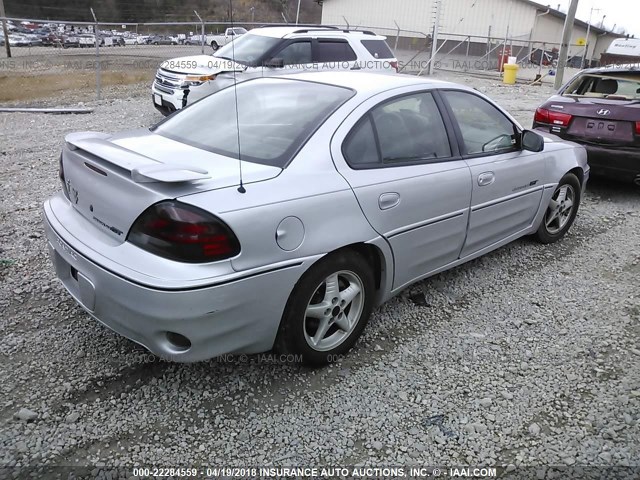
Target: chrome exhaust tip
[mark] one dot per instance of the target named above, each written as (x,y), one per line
(637,180)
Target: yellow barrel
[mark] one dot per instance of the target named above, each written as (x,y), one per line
(510,73)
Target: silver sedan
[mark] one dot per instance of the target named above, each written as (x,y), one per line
(280,215)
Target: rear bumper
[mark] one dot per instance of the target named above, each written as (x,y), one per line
(614,162)
(620,163)
(231,316)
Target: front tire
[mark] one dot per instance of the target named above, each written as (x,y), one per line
(562,210)
(328,309)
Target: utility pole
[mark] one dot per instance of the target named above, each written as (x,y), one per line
(564,47)
(5,30)
(298,14)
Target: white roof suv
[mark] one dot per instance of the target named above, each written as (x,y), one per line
(268,51)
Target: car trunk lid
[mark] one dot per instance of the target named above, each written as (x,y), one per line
(599,120)
(111,180)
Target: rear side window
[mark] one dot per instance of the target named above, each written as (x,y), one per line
(360,148)
(334,51)
(378,48)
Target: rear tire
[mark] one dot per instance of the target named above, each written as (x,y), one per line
(328,309)
(215,45)
(561,211)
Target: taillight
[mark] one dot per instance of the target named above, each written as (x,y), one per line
(62,179)
(541,116)
(637,128)
(395,65)
(558,119)
(184,233)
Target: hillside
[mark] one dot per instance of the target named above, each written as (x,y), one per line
(165,10)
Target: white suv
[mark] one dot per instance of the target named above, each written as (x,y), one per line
(268,51)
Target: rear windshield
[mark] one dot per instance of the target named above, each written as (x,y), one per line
(378,48)
(623,86)
(276,117)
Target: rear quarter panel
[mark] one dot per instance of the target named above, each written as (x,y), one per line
(311,190)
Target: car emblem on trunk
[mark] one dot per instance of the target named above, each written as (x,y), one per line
(603,111)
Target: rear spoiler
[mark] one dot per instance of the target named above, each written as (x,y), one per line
(142,169)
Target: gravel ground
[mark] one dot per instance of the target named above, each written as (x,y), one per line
(528,356)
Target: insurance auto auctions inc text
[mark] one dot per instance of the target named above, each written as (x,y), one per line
(352,472)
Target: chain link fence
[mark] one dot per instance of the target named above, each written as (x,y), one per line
(84,61)
(455,52)
(67,62)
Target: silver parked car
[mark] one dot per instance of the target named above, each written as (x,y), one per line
(351,186)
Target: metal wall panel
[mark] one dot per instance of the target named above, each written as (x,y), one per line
(465,17)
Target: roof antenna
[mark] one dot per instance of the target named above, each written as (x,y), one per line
(241,188)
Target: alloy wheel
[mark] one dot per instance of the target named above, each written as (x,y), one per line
(560,209)
(334,310)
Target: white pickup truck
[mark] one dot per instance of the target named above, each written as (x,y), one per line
(218,40)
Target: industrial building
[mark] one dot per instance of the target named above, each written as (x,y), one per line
(520,21)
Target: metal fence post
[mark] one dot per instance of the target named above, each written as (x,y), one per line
(5,31)
(395,48)
(96,35)
(201,32)
(434,37)
(468,46)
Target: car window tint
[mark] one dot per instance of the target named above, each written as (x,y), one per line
(411,129)
(484,128)
(378,48)
(334,51)
(247,49)
(295,53)
(275,118)
(360,146)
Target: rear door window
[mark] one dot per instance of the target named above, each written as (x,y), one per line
(334,51)
(401,131)
(378,48)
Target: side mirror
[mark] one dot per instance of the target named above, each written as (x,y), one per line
(274,63)
(532,141)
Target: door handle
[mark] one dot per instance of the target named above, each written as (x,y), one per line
(486,178)
(388,200)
